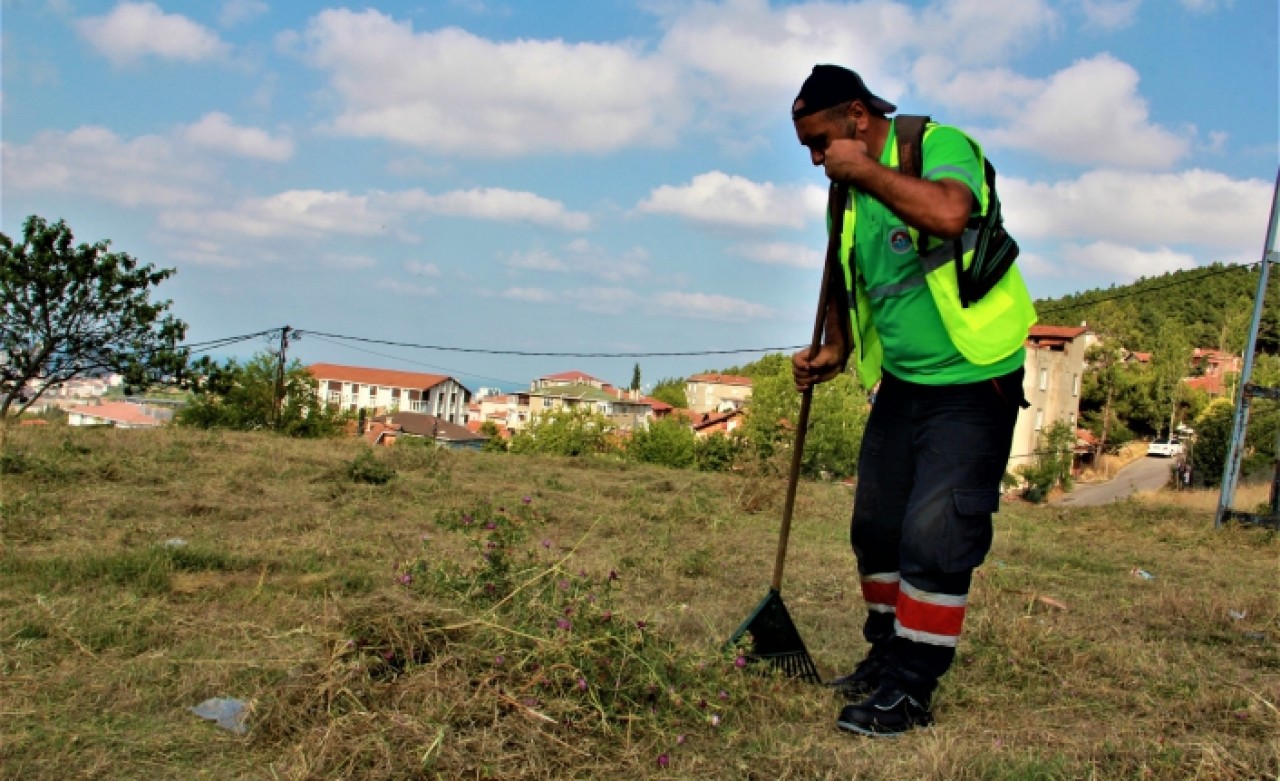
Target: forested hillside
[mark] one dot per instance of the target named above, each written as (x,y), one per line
(1211,306)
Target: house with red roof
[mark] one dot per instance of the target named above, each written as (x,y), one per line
(1054,368)
(118,414)
(1212,370)
(715,392)
(380,391)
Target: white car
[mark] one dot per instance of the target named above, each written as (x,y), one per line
(1167,448)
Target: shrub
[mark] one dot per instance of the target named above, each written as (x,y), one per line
(367,468)
(669,442)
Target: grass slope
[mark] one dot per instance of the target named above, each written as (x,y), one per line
(485,616)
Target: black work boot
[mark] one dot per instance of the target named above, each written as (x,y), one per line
(889,711)
(864,680)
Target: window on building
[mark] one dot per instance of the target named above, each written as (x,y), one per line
(395,393)
(1039,419)
(373,391)
(1044,379)
(1075,385)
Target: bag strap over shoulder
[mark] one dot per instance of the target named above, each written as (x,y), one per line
(909,129)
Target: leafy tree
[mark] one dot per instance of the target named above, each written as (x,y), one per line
(573,432)
(837,418)
(1170,362)
(1052,467)
(494,443)
(717,452)
(670,442)
(635,378)
(72,310)
(1213,436)
(671,390)
(242,397)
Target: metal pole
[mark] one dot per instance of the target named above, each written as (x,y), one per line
(1235,450)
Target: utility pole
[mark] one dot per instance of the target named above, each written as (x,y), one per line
(1247,390)
(279,394)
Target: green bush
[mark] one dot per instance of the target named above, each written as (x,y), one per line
(367,468)
(566,433)
(669,442)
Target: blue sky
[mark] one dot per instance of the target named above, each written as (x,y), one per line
(605,177)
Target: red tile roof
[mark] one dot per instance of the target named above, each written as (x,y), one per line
(383,377)
(117,412)
(721,379)
(572,376)
(1056,331)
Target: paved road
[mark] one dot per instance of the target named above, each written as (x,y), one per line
(1144,474)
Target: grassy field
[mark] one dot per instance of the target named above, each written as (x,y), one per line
(485,616)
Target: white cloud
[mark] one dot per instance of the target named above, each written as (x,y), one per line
(94,161)
(717,198)
(1206,6)
(709,306)
(288,214)
(134,30)
(781,254)
(1126,263)
(533,295)
(420,269)
(536,260)
(603,300)
(453,91)
(1110,15)
(216,131)
(582,258)
(237,11)
(1092,113)
(877,38)
(492,203)
(401,288)
(1195,207)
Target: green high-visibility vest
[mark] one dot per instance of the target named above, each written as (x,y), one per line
(984,332)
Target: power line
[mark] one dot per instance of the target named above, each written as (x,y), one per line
(455,372)
(1146,290)
(548,354)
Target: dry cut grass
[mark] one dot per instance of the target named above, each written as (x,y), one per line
(482,616)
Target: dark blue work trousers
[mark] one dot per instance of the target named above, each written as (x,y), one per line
(928,483)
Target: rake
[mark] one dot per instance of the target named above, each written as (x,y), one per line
(774,637)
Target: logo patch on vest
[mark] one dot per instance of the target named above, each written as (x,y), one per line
(900,241)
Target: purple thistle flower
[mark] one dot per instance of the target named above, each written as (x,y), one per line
(679,740)
(405,579)
(563,623)
(606,615)
(640,625)
(526,500)
(498,660)
(663,760)
(740,662)
(613,574)
(466,520)
(564,585)
(546,543)
(724,695)
(702,703)
(582,684)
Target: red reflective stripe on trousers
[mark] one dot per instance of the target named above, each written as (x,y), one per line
(926,617)
(878,593)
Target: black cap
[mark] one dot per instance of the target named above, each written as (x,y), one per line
(831,85)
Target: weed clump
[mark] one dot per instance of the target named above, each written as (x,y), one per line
(504,645)
(367,468)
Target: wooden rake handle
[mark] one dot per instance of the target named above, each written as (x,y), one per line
(837,196)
